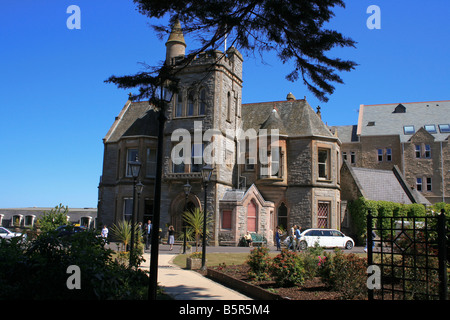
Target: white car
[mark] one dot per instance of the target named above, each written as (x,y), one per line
(327,238)
(6,234)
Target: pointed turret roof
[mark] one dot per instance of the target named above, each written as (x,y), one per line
(274,122)
(176,35)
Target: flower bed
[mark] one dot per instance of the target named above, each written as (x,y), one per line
(297,276)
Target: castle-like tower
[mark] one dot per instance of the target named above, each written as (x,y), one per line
(204,116)
(208,101)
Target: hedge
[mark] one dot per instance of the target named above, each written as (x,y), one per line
(359,209)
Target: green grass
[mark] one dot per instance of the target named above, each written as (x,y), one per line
(214,259)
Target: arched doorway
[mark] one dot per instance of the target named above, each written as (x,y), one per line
(282,216)
(177,209)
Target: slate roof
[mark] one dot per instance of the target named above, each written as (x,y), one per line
(294,117)
(385,185)
(135,119)
(346,133)
(389,119)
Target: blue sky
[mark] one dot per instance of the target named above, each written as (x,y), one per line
(56,108)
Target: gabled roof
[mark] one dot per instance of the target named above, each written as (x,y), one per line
(135,119)
(384,185)
(346,133)
(297,117)
(390,119)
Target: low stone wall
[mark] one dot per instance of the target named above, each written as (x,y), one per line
(243,287)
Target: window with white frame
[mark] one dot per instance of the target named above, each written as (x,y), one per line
(274,166)
(429,184)
(324,163)
(418,151)
(427,154)
(178,165)
(352,157)
(419,184)
(132,155)
(197,157)
(380,155)
(190,104)
(202,102)
(127,208)
(388,154)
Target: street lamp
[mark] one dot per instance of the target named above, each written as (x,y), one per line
(187,190)
(206,176)
(134,167)
(164,99)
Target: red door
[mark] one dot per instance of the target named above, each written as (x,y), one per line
(251,217)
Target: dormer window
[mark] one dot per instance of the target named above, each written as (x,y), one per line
(444,128)
(399,109)
(431,128)
(409,129)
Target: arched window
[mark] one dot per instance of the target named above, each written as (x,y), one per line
(190,104)
(202,102)
(252,217)
(179,106)
(229,107)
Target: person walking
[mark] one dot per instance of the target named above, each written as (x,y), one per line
(104,233)
(278,238)
(171,239)
(148,232)
(297,237)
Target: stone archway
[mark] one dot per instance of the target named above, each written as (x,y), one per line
(177,209)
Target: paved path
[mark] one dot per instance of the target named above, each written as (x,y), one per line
(183,284)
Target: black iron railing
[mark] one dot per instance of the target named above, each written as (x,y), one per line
(410,254)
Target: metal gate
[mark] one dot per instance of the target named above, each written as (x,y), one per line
(410,255)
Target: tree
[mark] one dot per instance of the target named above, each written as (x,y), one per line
(54,218)
(194,221)
(293,29)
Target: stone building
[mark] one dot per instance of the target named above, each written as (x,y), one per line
(412,136)
(298,184)
(25,218)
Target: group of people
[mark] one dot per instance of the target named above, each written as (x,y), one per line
(292,239)
(147,232)
(148,235)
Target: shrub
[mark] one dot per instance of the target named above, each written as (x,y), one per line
(38,270)
(345,273)
(259,263)
(310,260)
(287,269)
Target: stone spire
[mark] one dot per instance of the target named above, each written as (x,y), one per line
(175,45)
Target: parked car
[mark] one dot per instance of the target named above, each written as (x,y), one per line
(327,238)
(65,230)
(7,234)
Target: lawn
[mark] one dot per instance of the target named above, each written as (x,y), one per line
(214,259)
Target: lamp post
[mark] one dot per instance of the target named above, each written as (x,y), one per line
(134,168)
(164,99)
(187,189)
(206,175)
